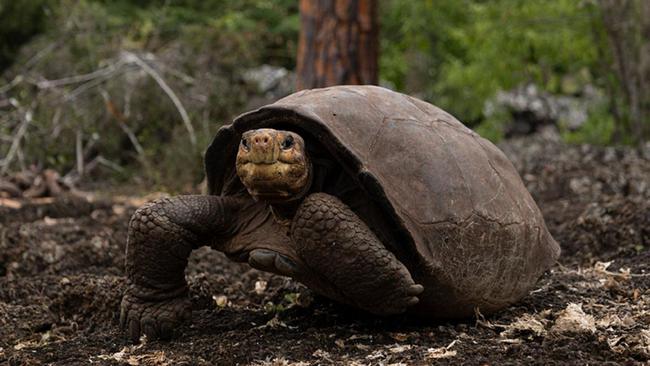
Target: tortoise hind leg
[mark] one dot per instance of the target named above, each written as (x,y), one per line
(350,264)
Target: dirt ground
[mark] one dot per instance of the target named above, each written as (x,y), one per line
(61,279)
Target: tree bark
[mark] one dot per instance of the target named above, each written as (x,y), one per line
(627,28)
(338,43)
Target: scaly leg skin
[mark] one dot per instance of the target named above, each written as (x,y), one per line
(349,259)
(161,236)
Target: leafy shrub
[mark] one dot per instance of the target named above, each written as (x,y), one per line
(19,22)
(458,54)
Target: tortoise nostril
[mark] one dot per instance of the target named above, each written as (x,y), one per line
(261,140)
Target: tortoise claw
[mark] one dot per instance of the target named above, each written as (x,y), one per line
(415,290)
(412,301)
(156,319)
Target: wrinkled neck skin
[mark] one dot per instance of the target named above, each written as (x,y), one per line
(284,211)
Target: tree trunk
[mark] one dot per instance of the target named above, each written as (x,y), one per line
(338,44)
(627,26)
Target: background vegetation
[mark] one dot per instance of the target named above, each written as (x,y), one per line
(80,80)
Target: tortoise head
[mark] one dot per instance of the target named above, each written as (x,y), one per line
(273,165)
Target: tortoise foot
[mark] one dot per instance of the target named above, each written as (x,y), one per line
(349,262)
(157,319)
(271,261)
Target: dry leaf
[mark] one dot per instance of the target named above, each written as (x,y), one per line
(280,361)
(26,344)
(260,287)
(526,323)
(376,355)
(400,337)
(441,352)
(574,320)
(221,300)
(399,348)
(436,353)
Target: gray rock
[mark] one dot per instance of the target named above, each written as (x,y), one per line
(532,107)
(272,81)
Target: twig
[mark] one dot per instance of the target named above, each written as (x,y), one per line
(21,159)
(73,176)
(89,146)
(40,54)
(101,73)
(133,139)
(110,164)
(79,153)
(126,112)
(56,126)
(17,80)
(179,74)
(22,129)
(121,121)
(131,57)
(129,133)
(92,83)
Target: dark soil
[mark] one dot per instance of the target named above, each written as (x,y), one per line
(61,279)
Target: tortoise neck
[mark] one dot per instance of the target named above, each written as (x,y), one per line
(285,211)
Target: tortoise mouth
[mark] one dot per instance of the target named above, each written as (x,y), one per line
(266,192)
(275,182)
(272,197)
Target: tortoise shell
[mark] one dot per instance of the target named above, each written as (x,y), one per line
(472,233)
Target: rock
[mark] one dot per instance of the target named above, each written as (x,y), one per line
(532,108)
(272,81)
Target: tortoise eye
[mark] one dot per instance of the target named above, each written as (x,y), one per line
(287,143)
(244,143)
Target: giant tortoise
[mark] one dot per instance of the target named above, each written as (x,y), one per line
(367,196)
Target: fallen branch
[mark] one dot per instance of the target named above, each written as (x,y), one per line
(9,188)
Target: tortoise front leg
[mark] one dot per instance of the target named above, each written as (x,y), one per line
(348,261)
(161,236)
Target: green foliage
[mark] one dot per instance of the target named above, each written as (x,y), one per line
(19,21)
(598,130)
(262,28)
(493,128)
(624,44)
(458,54)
